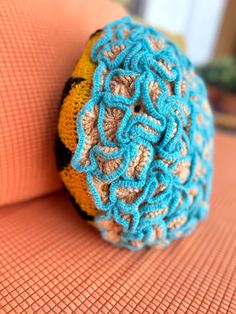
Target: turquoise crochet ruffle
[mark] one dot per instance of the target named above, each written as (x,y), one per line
(165,127)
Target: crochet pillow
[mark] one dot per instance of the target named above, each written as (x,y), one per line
(135,137)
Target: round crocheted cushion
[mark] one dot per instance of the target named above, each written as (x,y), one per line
(135,137)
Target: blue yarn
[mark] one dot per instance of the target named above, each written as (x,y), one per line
(138,58)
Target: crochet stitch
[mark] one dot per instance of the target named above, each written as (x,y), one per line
(142,152)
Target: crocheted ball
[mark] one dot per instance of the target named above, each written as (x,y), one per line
(135,137)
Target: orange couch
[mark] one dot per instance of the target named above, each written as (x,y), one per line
(50,260)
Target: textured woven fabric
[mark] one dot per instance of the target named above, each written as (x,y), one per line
(51,262)
(136,125)
(40,43)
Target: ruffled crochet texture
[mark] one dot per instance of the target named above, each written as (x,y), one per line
(145,138)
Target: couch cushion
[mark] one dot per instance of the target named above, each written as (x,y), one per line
(40,44)
(53,262)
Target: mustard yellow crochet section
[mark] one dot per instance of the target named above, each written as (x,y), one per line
(73,102)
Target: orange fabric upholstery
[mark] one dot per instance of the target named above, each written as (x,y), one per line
(40,44)
(52,262)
